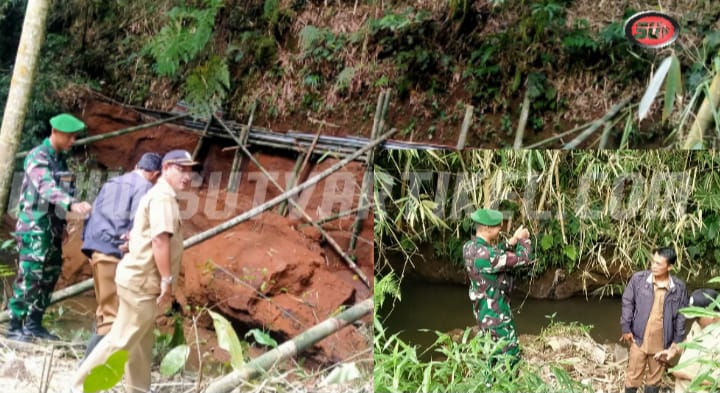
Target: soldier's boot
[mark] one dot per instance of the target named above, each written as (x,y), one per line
(630,390)
(15,332)
(33,327)
(652,389)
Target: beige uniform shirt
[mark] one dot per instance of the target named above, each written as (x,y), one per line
(157,212)
(690,360)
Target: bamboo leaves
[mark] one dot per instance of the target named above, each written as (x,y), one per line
(668,73)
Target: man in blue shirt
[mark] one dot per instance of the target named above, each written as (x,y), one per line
(105,234)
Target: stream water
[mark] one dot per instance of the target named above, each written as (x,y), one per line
(444,307)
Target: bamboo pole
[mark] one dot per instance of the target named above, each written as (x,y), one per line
(291,183)
(467,121)
(60,295)
(597,123)
(704,117)
(336,216)
(290,348)
(234,180)
(294,191)
(95,138)
(204,135)
(523,120)
(307,218)
(378,126)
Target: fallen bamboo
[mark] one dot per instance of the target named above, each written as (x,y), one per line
(199,144)
(336,216)
(95,138)
(294,191)
(290,348)
(61,295)
(523,121)
(596,124)
(307,218)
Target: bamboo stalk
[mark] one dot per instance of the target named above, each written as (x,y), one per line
(298,173)
(705,116)
(467,121)
(283,206)
(95,138)
(199,144)
(290,348)
(336,216)
(597,123)
(307,218)
(379,124)
(234,179)
(523,120)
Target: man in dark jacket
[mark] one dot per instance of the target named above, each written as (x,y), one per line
(105,232)
(650,319)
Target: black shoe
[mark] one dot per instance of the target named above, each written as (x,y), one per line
(33,328)
(652,389)
(15,332)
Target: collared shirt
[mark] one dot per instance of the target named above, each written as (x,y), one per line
(653,339)
(112,213)
(157,213)
(42,201)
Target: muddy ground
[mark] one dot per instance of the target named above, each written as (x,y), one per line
(271,272)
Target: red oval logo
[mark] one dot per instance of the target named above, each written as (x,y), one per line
(651,29)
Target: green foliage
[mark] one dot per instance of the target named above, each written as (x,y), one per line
(106,375)
(174,361)
(271,11)
(387,285)
(207,86)
(579,41)
(184,36)
(262,338)
(464,367)
(228,340)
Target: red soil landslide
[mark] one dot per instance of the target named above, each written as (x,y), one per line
(272,272)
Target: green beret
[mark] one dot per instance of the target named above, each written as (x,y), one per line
(67,123)
(488,217)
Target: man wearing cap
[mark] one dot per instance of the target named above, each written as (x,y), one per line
(703,357)
(46,195)
(104,235)
(145,277)
(487,263)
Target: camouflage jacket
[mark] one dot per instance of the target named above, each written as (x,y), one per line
(487,266)
(43,202)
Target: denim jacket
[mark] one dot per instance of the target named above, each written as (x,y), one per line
(637,302)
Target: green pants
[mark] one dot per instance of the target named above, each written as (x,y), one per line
(495,317)
(40,264)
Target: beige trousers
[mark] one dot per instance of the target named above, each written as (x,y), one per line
(131,331)
(103,270)
(637,361)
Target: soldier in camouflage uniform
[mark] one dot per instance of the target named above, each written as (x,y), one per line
(490,284)
(45,197)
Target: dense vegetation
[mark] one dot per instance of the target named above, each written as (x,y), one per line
(329,60)
(601,211)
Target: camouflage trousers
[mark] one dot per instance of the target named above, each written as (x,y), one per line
(494,316)
(40,263)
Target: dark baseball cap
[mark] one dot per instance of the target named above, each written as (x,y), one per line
(150,162)
(703,297)
(178,157)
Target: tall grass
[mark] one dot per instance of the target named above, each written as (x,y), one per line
(456,365)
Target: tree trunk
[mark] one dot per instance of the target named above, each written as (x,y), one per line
(31,39)
(290,348)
